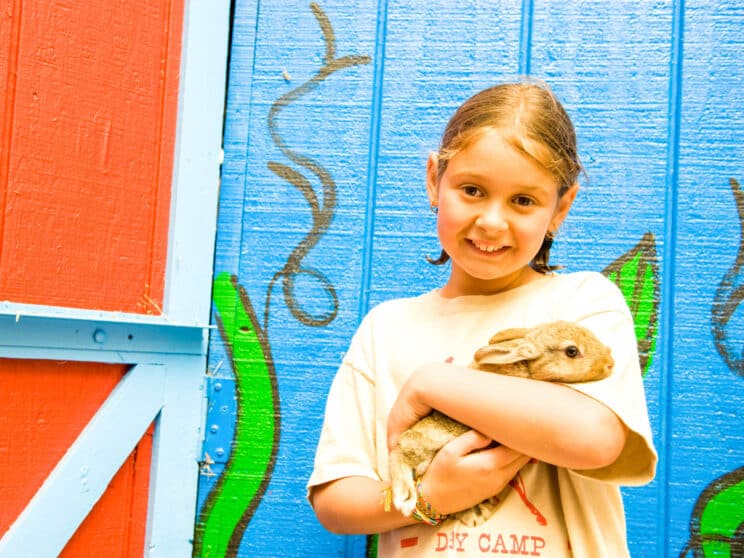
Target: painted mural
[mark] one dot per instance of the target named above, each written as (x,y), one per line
(717,522)
(322,206)
(224,516)
(322,152)
(728,298)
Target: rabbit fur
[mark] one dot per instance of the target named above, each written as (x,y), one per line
(556,351)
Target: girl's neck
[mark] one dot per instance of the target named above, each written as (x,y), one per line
(474,287)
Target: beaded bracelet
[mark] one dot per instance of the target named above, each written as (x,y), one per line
(424,511)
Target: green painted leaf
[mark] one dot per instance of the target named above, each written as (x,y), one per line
(636,275)
(721,519)
(717,521)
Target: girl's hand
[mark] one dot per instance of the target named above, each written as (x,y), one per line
(467,471)
(408,408)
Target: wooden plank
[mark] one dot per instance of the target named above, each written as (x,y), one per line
(88,124)
(84,472)
(48,333)
(35,433)
(705,435)
(198,156)
(175,460)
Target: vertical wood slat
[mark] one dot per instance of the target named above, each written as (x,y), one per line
(198,156)
(705,438)
(9,27)
(669,273)
(88,124)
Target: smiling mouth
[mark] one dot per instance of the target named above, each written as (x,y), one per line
(487,248)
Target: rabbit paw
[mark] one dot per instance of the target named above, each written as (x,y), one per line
(404,494)
(403,487)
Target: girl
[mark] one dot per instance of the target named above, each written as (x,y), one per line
(552,456)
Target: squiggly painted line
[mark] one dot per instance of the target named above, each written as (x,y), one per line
(636,274)
(322,214)
(717,524)
(234,499)
(717,521)
(729,295)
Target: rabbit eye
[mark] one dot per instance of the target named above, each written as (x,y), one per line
(571,351)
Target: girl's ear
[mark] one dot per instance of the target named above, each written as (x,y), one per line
(432,185)
(564,206)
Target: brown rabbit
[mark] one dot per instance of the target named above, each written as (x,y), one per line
(556,352)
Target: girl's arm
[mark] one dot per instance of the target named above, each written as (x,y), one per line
(354,505)
(463,473)
(550,422)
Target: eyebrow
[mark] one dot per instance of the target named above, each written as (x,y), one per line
(477,179)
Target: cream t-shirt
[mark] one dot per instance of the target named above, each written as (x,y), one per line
(551,512)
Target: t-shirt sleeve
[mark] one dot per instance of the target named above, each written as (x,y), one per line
(347,439)
(600,306)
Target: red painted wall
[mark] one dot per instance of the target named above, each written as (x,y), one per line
(88,108)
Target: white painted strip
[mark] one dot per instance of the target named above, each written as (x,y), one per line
(197,160)
(174,475)
(20,310)
(84,472)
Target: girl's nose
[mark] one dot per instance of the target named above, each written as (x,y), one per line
(492,217)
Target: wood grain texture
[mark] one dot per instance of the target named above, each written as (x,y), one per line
(654,89)
(44,406)
(88,123)
(116,525)
(88,109)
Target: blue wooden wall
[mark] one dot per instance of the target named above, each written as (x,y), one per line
(332,110)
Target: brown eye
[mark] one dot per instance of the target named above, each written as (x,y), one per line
(571,351)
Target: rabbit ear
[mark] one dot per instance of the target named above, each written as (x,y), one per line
(507,351)
(508,334)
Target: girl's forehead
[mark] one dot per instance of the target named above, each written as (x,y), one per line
(490,156)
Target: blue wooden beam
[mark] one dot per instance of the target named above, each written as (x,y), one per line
(42,332)
(174,471)
(198,158)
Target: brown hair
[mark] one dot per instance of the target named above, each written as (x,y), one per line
(533,121)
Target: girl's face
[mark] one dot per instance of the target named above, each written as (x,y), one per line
(495,207)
